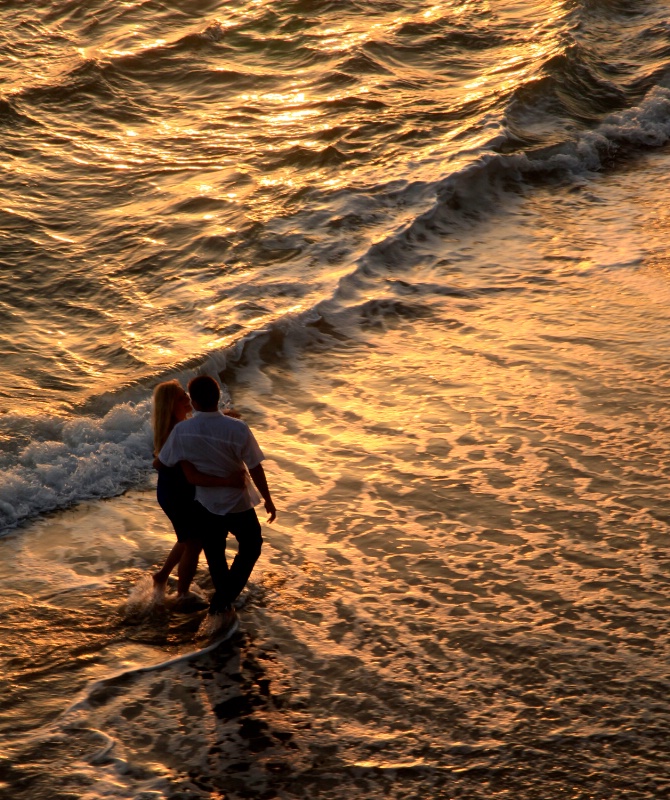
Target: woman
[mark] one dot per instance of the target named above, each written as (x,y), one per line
(176,493)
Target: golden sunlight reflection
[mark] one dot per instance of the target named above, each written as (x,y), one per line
(350,35)
(434,11)
(287,117)
(518,62)
(247,164)
(284,179)
(456,372)
(293,118)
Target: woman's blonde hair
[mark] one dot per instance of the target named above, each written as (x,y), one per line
(163,419)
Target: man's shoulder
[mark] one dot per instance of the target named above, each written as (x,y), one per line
(217,421)
(232,425)
(183,426)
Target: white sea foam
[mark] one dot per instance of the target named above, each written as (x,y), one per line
(479,188)
(144,598)
(69,460)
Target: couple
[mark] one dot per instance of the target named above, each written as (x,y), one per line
(204,489)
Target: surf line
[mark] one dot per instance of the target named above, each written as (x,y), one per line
(92,688)
(108,742)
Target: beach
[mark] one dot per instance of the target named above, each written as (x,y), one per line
(424,251)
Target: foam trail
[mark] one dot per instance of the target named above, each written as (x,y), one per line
(100,686)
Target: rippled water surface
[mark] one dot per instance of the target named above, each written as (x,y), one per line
(425,250)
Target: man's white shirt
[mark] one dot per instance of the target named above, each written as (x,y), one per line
(216,445)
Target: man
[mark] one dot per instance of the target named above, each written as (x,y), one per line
(221,445)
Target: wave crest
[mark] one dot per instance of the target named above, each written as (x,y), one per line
(66,461)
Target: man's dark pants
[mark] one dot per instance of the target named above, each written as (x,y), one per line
(213,529)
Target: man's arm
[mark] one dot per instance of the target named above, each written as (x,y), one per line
(197,478)
(258,477)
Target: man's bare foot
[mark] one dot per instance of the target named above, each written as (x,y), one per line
(219,626)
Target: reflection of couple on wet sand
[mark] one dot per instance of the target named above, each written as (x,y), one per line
(205,490)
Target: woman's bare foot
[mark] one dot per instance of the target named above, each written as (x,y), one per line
(160,583)
(189,602)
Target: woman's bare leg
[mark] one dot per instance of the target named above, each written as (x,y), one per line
(174,558)
(188,565)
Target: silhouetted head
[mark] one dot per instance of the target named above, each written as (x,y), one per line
(205,393)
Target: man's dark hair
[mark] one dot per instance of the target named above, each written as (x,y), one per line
(204,391)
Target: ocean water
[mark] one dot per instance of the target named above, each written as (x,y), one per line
(425,249)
